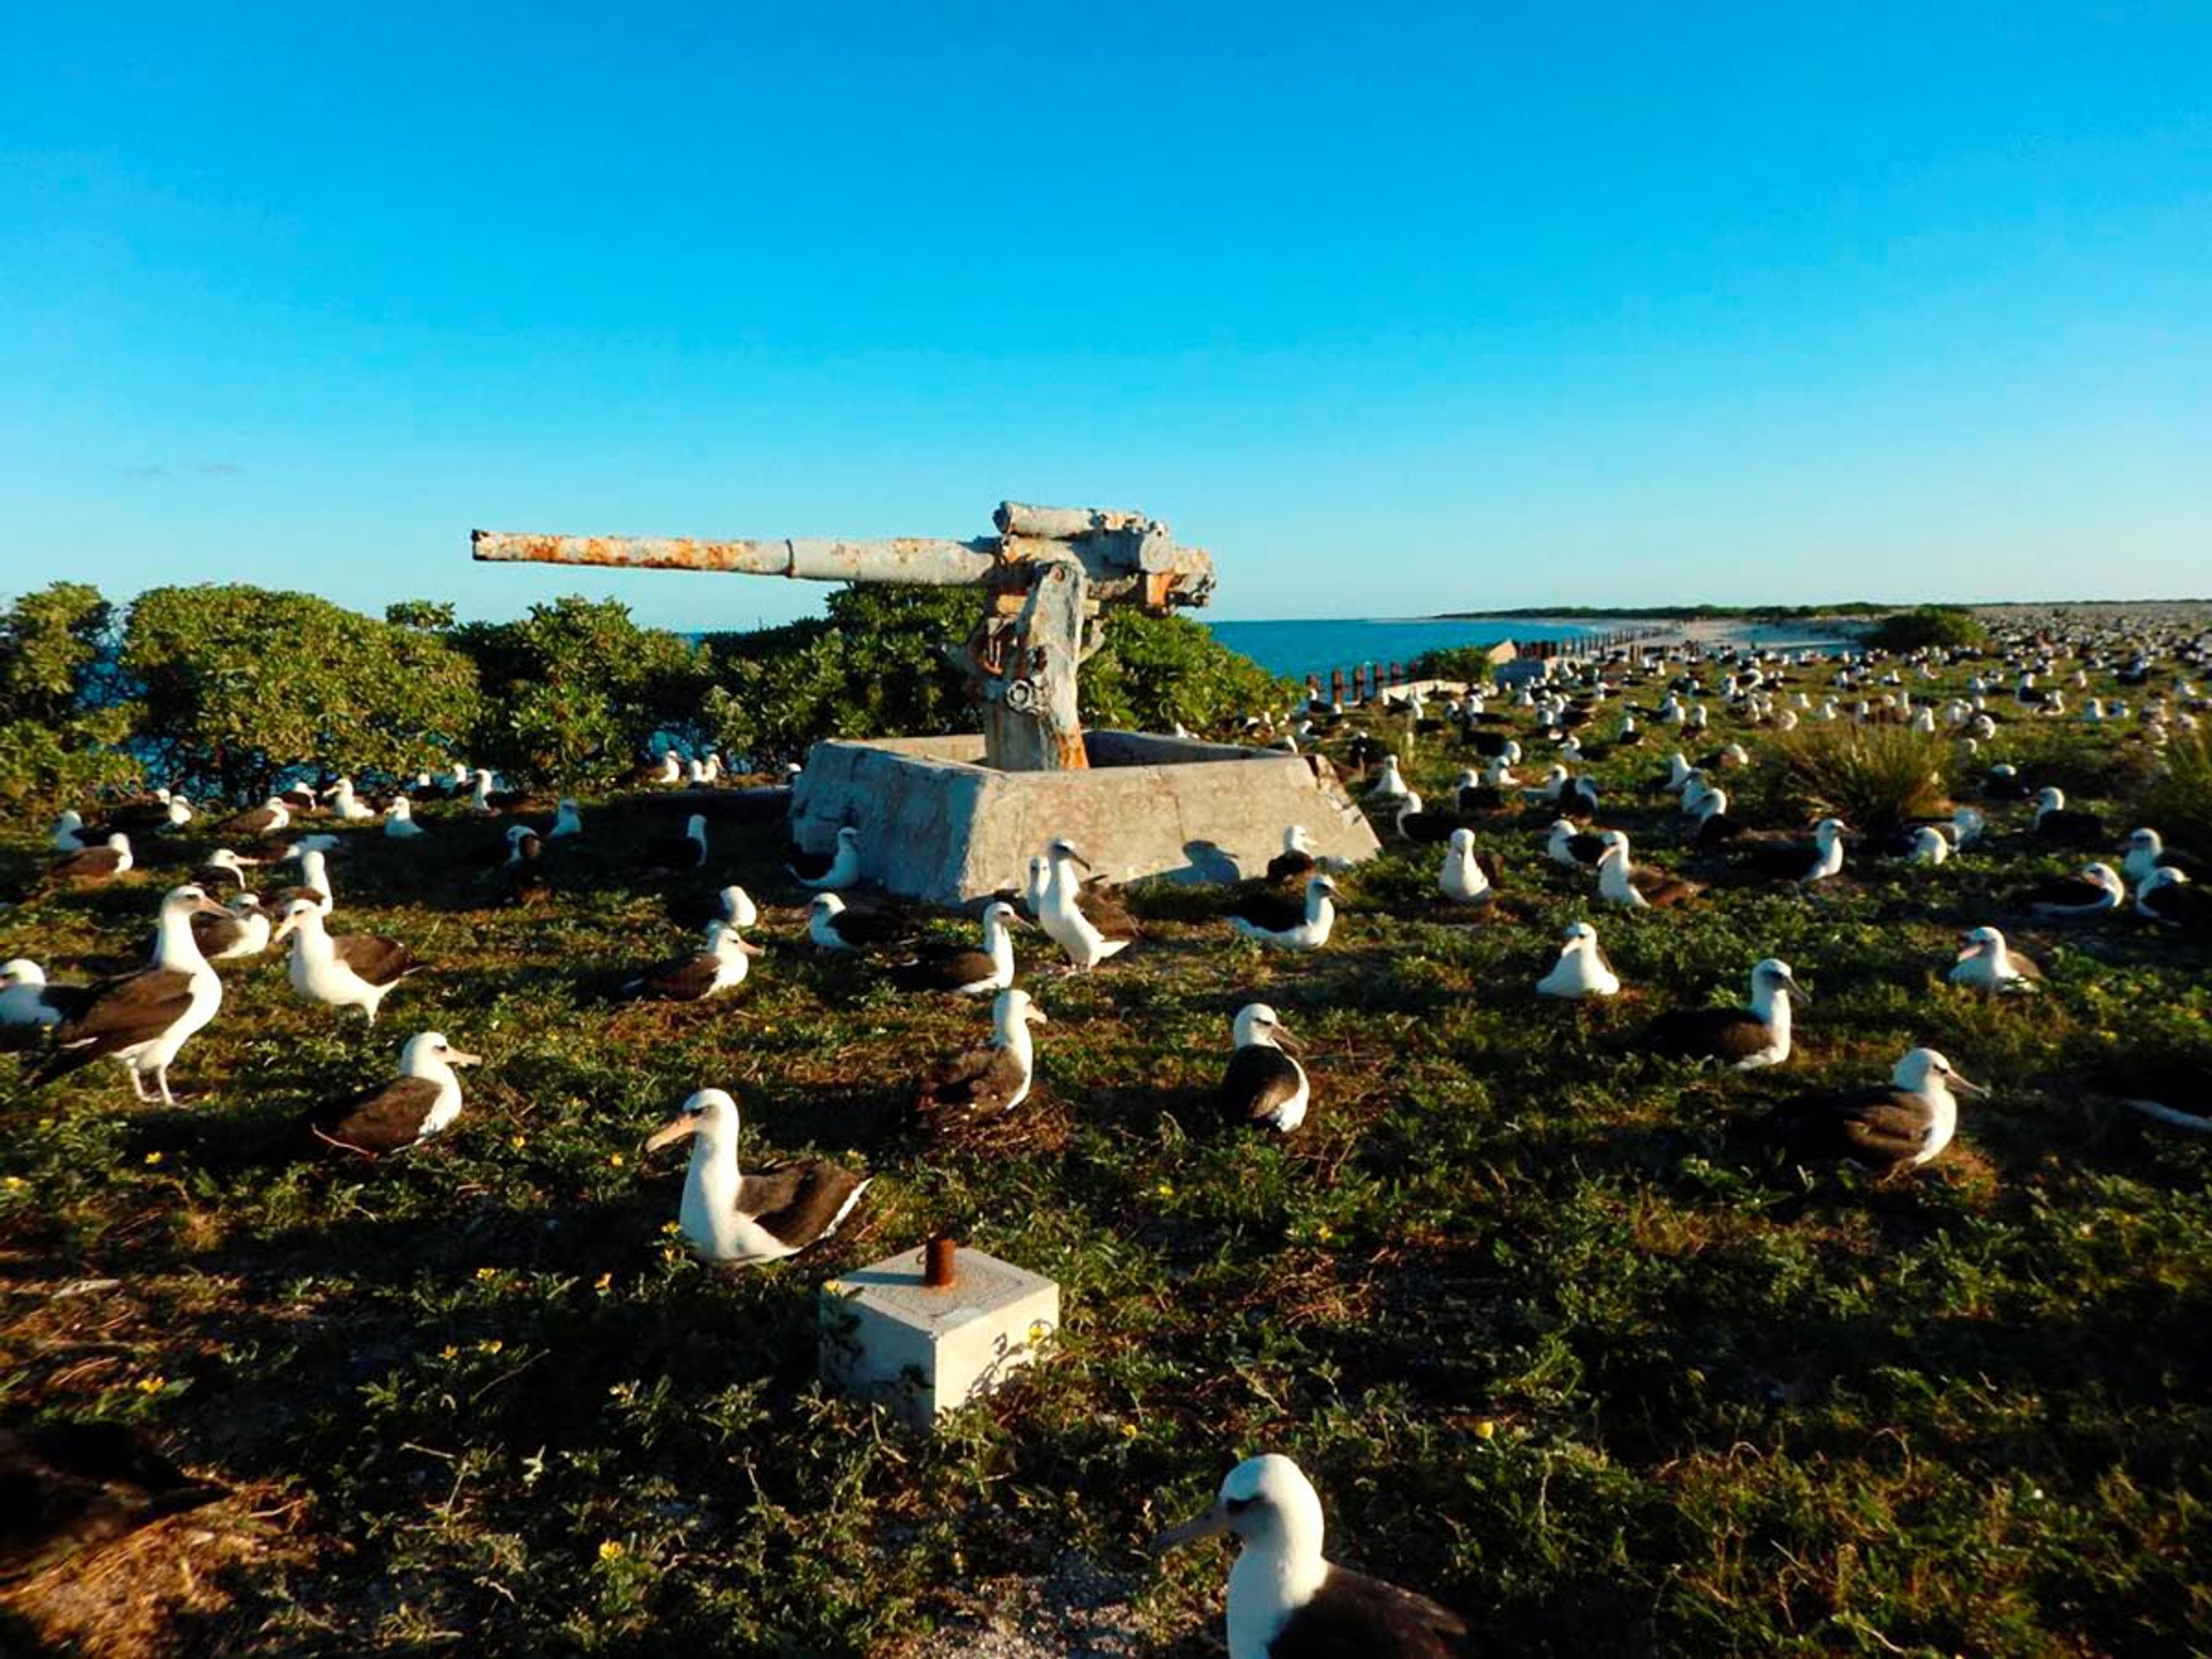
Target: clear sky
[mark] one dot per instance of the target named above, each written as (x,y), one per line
(1396,310)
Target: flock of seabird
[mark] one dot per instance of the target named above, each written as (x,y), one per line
(1284,1598)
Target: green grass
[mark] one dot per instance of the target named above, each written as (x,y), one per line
(1556,1348)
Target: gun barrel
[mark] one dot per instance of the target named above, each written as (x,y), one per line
(920,561)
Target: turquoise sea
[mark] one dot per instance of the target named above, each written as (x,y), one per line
(1316,647)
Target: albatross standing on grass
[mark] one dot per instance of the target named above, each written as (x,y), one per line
(143,1019)
(1286,1601)
(347,970)
(1264,1087)
(1076,927)
(422,1101)
(989,1081)
(728,1216)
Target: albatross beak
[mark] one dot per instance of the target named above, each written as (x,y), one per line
(1958,1082)
(751,949)
(671,1132)
(1967,949)
(1284,1039)
(462,1057)
(209,906)
(1205,1525)
(1038,1017)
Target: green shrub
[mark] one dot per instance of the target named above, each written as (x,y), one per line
(240,685)
(885,663)
(575,692)
(1155,671)
(63,709)
(2178,800)
(1925,626)
(1876,778)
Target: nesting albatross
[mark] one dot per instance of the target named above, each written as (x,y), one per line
(422,1101)
(745,1219)
(1286,1601)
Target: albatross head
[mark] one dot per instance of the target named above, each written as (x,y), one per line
(1267,1503)
(22,971)
(1580,936)
(1923,1070)
(1257,1023)
(711,1114)
(1979,941)
(1014,1009)
(1295,839)
(427,1054)
(301,915)
(1772,977)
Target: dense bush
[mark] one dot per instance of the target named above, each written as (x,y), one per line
(575,692)
(2178,801)
(1470,663)
(1876,778)
(240,685)
(1155,671)
(878,665)
(63,710)
(1928,625)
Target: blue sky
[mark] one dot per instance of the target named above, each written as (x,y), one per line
(1396,310)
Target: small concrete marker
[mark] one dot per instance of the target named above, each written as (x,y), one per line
(932,1330)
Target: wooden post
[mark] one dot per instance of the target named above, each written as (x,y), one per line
(1336,685)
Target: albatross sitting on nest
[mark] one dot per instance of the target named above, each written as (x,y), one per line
(720,966)
(1986,963)
(1284,923)
(728,1216)
(1898,1126)
(1742,1039)
(1286,1600)
(1264,1087)
(964,970)
(422,1101)
(989,1081)
(1581,970)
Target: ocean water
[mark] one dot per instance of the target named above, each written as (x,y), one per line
(1298,649)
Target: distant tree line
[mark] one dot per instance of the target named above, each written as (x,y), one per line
(223,690)
(1681,613)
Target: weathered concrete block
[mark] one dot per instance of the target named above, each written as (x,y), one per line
(886,1335)
(937,824)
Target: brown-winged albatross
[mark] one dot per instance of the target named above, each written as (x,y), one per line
(965,969)
(422,1101)
(1986,963)
(102,863)
(991,1080)
(1899,1125)
(1742,1039)
(721,966)
(1264,1087)
(2095,892)
(1286,921)
(142,1020)
(346,970)
(1286,1601)
(727,1216)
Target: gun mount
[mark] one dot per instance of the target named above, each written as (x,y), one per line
(1047,575)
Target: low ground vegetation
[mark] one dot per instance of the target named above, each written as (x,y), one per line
(1557,1347)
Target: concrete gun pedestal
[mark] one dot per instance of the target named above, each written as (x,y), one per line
(937,825)
(888,1334)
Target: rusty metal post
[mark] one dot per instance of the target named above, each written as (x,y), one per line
(939,1267)
(1336,685)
